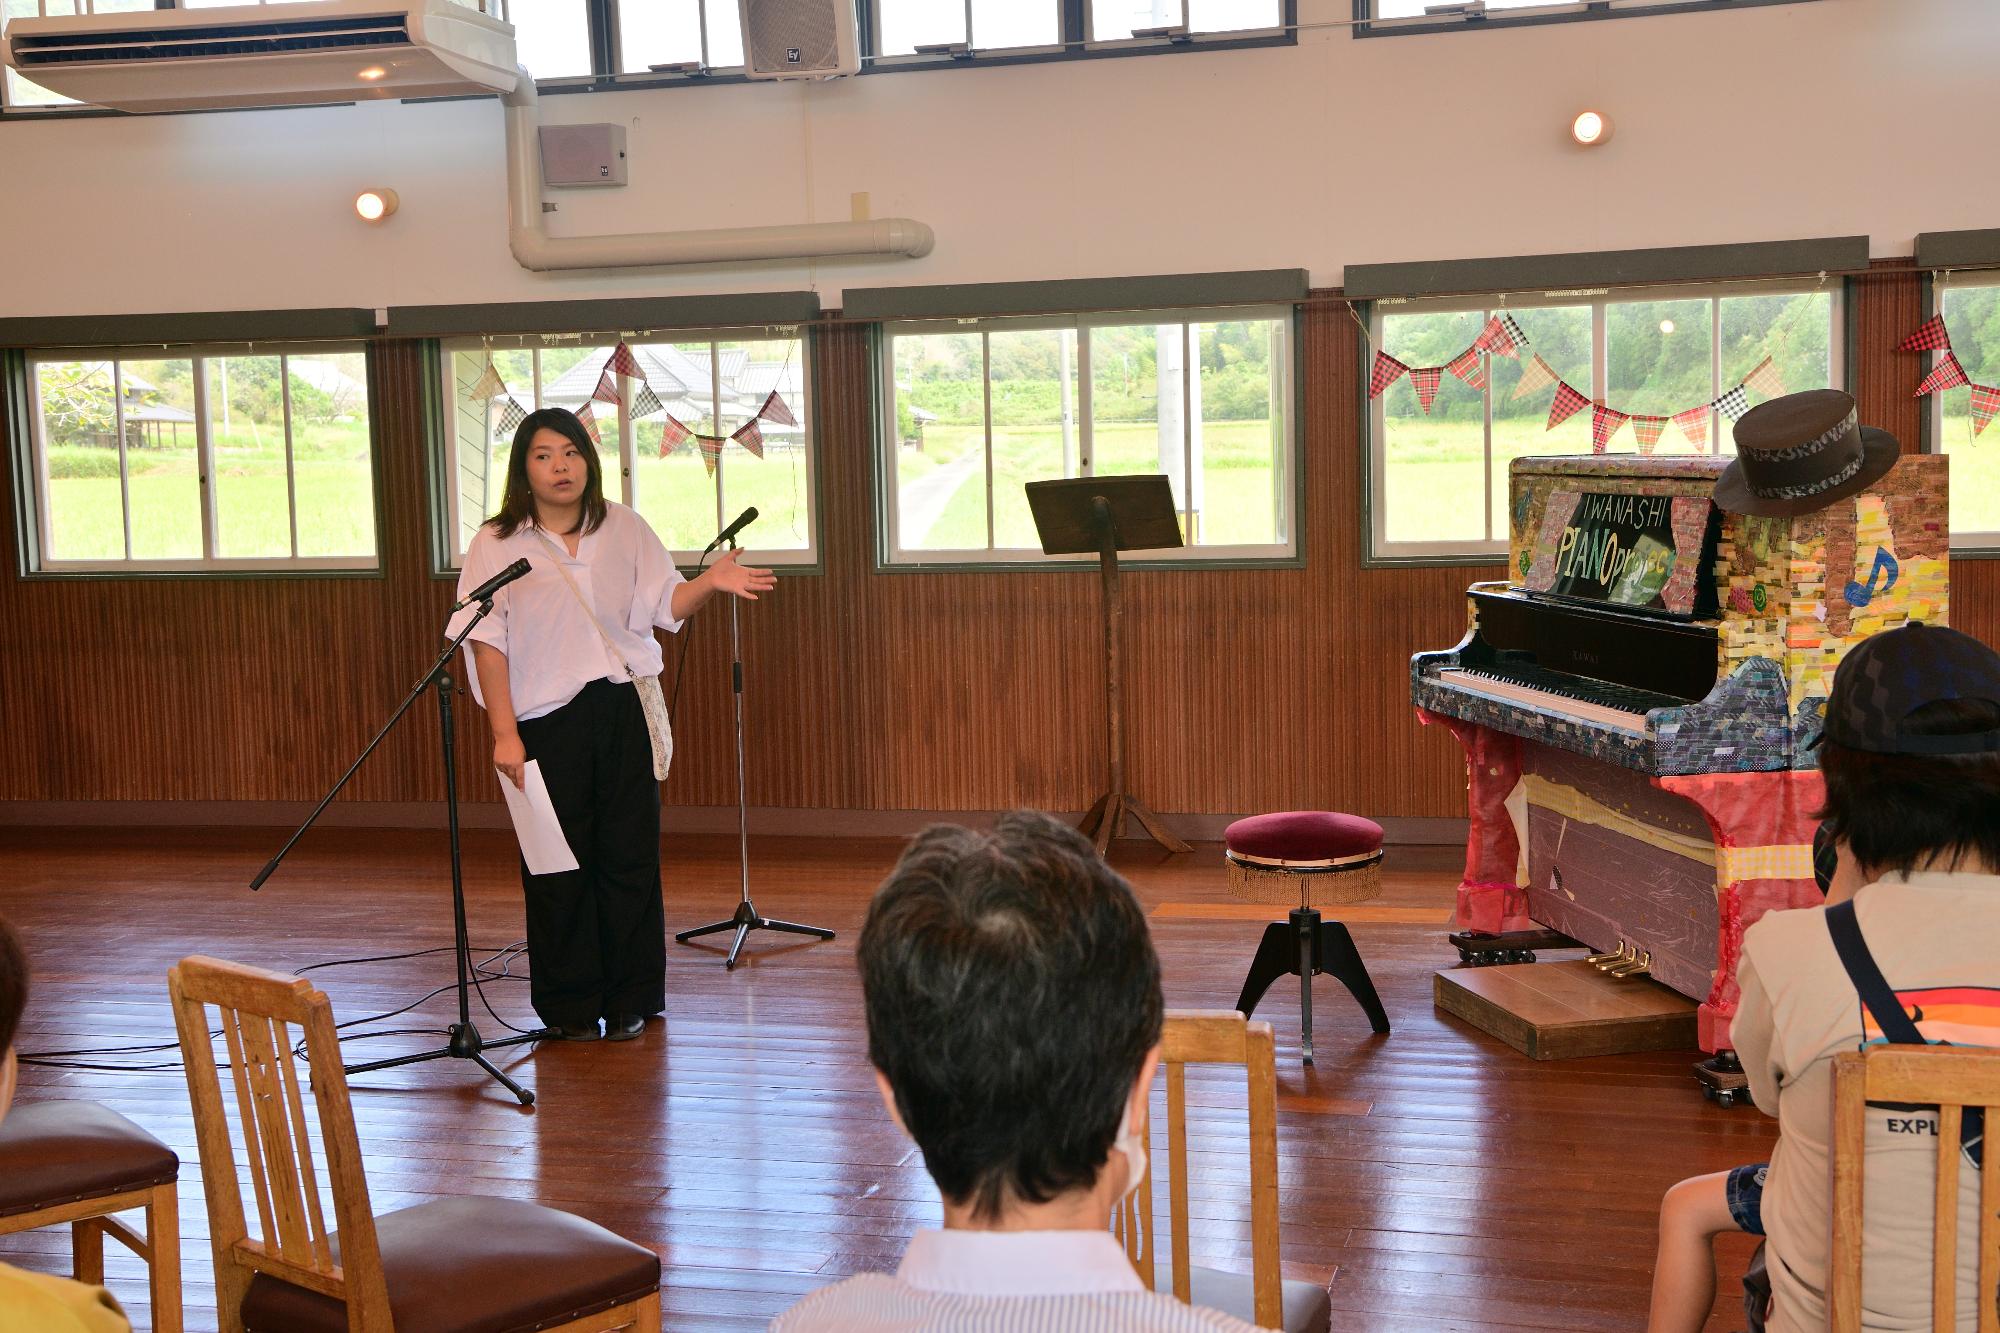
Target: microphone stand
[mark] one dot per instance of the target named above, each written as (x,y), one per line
(465,1042)
(746,917)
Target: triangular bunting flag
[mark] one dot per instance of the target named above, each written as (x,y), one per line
(1930,338)
(1502,337)
(624,364)
(489,384)
(672,436)
(1948,375)
(775,409)
(510,417)
(750,436)
(1604,423)
(711,451)
(607,388)
(1425,381)
(1693,423)
(1985,406)
(1647,431)
(1534,375)
(645,402)
(1733,404)
(1515,334)
(1466,365)
(1387,371)
(1567,404)
(1764,379)
(588,419)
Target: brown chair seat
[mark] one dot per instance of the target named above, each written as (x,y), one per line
(54,1153)
(474,1265)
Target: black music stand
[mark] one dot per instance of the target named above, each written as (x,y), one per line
(1108,515)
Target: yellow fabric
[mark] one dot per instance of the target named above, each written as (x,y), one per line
(1777,861)
(37,1303)
(1573,804)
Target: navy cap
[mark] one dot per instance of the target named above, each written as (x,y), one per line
(1888,676)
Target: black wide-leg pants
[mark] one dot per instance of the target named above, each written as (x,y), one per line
(597,944)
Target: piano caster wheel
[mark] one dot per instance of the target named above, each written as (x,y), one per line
(1520,955)
(1723,1097)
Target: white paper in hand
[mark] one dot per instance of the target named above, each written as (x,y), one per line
(543,846)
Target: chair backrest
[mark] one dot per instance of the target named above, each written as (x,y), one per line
(1951,1078)
(1221,1037)
(258,1012)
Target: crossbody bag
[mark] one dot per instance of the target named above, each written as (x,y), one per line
(652,699)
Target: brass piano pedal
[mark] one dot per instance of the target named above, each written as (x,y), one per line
(1637,967)
(1604,962)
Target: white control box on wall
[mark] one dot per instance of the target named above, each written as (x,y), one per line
(583,155)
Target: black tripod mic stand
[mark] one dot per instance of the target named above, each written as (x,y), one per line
(746,918)
(465,1042)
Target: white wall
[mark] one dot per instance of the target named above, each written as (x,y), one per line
(1829,118)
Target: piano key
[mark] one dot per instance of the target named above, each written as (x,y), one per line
(1474,682)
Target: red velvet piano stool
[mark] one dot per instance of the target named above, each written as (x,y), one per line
(1317,859)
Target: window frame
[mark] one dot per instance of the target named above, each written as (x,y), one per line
(33,509)
(1557,11)
(1979,544)
(449,558)
(1379,552)
(1288,485)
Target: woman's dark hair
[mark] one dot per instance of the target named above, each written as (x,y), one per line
(1012,994)
(517,503)
(13,984)
(1897,811)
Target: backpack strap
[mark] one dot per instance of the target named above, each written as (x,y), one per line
(1867,977)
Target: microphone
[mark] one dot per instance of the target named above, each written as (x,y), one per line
(743,520)
(495,584)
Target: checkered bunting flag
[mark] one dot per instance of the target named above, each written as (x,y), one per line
(711,451)
(1647,431)
(1764,379)
(1567,404)
(1733,404)
(588,419)
(1502,337)
(1534,375)
(776,409)
(1948,375)
(624,364)
(750,436)
(511,416)
(1467,366)
(1387,371)
(1604,423)
(1425,381)
(672,436)
(1693,423)
(1930,338)
(645,402)
(606,390)
(1985,406)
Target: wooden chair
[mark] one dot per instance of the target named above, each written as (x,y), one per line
(453,1264)
(80,1163)
(1952,1079)
(1221,1037)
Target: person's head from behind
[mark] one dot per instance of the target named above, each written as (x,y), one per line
(13,1000)
(1911,752)
(553,465)
(1014,1011)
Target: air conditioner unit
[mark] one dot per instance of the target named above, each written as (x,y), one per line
(799,39)
(258,55)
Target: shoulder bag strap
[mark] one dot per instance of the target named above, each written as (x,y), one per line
(595,624)
(1874,988)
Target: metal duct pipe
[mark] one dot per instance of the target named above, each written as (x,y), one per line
(535,249)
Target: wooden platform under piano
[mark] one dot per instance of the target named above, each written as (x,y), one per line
(1559,1011)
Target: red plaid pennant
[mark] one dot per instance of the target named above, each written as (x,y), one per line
(775,409)
(1647,431)
(750,436)
(1930,338)
(1948,375)
(511,416)
(624,364)
(672,436)
(1567,404)
(711,451)
(1765,379)
(1534,375)
(1387,371)
(588,420)
(1466,365)
(1733,404)
(1694,425)
(606,390)
(1426,380)
(1502,337)
(1604,423)
(1985,406)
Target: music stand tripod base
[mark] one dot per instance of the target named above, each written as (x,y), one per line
(743,922)
(1101,823)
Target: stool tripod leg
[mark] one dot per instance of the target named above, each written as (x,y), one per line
(1306,938)
(1338,956)
(1275,957)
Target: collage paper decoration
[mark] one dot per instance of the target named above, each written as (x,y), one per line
(1567,404)
(1647,431)
(1948,375)
(1425,380)
(1931,337)
(1985,406)
(1468,366)
(1604,423)
(750,436)
(1534,375)
(1765,379)
(1693,424)
(1386,372)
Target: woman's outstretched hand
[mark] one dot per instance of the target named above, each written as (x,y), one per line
(729,574)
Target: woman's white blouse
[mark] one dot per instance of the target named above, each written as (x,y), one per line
(552,651)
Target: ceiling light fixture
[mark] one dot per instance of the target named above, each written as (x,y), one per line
(1591,128)
(374,205)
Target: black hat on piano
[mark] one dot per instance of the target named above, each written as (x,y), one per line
(1803,452)
(1888,676)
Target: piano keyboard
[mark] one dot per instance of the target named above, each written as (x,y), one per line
(1594,701)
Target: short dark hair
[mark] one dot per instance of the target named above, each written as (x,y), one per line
(1897,811)
(1012,994)
(517,502)
(13,983)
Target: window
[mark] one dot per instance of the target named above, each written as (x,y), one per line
(1122,20)
(1386,16)
(1971,310)
(202,459)
(974,409)
(712,386)
(903,26)
(16,93)
(1438,478)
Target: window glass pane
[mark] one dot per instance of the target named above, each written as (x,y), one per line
(677,494)
(725,39)
(659,32)
(1659,360)
(86,503)
(246,428)
(1434,474)
(1560,335)
(569,379)
(161,461)
(1136,402)
(1034,424)
(551,36)
(1114,20)
(1972,314)
(908,24)
(1395,9)
(1239,440)
(1794,329)
(333,468)
(1232,15)
(940,445)
(20,92)
(1015,23)
(779,483)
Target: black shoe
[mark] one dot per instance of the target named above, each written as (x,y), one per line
(577,1031)
(623,1027)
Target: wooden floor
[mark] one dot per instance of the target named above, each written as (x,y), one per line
(1437,1178)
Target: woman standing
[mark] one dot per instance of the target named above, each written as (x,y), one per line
(553,666)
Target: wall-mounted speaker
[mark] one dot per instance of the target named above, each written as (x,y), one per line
(799,39)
